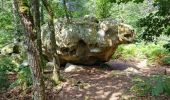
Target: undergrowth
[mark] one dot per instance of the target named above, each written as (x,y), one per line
(154,85)
(10,64)
(6,66)
(5,37)
(151,51)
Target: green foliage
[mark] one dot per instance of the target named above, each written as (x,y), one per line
(125,1)
(154,85)
(167,46)
(5,37)
(166,60)
(12,64)
(24,78)
(6,20)
(6,65)
(154,26)
(157,22)
(127,51)
(150,51)
(76,8)
(58,8)
(103,8)
(154,52)
(130,13)
(141,87)
(6,16)
(3,80)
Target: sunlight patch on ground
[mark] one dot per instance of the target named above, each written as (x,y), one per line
(115,96)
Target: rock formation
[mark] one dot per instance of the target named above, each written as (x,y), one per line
(85,41)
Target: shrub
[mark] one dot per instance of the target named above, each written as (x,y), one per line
(151,51)
(4,84)
(166,60)
(154,85)
(6,65)
(167,46)
(24,78)
(141,87)
(103,8)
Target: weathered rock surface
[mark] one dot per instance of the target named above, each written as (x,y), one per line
(10,48)
(86,42)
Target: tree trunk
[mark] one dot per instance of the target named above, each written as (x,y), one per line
(16,23)
(15,19)
(32,28)
(42,14)
(66,11)
(56,71)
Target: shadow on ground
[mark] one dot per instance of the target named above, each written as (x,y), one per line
(111,82)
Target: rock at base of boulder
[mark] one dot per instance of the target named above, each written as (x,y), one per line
(72,68)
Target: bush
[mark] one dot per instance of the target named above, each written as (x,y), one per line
(103,8)
(154,85)
(9,64)
(4,83)
(166,60)
(152,52)
(6,65)
(24,78)
(167,45)
(5,37)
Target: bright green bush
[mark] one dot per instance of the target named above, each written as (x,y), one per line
(150,51)
(154,85)
(103,8)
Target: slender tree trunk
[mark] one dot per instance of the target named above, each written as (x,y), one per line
(16,22)
(32,28)
(42,14)
(66,11)
(36,17)
(56,71)
(15,19)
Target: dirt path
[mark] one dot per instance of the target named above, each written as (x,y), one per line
(111,83)
(106,83)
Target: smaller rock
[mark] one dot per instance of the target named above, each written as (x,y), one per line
(132,70)
(8,49)
(49,64)
(72,68)
(25,63)
(142,64)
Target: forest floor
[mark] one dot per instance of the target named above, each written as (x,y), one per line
(97,83)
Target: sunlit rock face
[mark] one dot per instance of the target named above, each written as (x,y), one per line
(86,41)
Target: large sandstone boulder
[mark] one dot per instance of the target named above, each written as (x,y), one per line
(86,41)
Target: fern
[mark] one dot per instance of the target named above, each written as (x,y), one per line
(154,85)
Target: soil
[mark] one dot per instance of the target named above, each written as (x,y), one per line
(111,82)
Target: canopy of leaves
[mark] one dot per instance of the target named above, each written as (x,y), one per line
(157,23)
